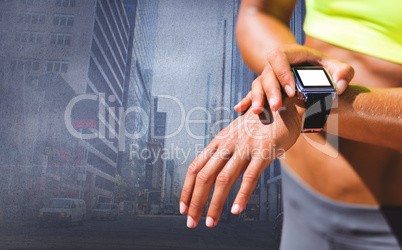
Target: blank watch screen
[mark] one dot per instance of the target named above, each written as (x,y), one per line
(314,78)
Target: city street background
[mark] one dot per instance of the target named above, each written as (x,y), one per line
(105,103)
(139,232)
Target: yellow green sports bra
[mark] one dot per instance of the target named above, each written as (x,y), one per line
(372,27)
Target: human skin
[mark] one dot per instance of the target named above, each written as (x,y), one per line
(367,168)
(250,143)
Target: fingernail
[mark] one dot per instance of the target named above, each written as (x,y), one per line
(272,103)
(235,209)
(210,222)
(183,208)
(237,105)
(190,222)
(341,85)
(256,107)
(289,91)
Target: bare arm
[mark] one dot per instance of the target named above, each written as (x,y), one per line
(262,26)
(242,146)
(269,48)
(371,115)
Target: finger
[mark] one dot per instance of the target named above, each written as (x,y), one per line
(257,96)
(341,73)
(224,181)
(298,54)
(271,88)
(243,104)
(281,67)
(204,181)
(192,171)
(250,180)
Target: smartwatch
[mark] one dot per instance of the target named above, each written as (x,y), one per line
(314,85)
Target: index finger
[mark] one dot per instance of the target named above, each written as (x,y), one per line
(280,65)
(282,59)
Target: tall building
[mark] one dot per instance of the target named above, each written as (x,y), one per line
(242,77)
(271,194)
(237,83)
(143,18)
(265,203)
(234,77)
(155,165)
(169,182)
(157,123)
(84,44)
(206,73)
(106,74)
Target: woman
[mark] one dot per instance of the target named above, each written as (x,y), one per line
(353,199)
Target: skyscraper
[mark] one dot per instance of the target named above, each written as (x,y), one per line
(198,64)
(155,165)
(143,17)
(84,43)
(106,73)
(272,198)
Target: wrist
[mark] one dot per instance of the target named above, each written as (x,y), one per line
(295,104)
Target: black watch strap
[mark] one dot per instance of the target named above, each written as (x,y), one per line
(318,107)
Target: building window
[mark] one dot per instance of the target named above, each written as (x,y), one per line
(31,18)
(65,3)
(57,66)
(103,183)
(25,65)
(33,2)
(60,38)
(28,37)
(63,20)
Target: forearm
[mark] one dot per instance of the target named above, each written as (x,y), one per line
(370,115)
(261,27)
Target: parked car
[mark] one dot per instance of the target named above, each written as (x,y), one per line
(105,211)
(155,209)
(63,211)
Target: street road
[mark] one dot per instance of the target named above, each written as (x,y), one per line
(138,232)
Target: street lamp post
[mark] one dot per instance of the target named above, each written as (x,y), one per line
(148,192)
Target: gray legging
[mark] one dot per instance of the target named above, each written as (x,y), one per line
(312,221)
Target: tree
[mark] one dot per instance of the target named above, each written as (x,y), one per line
(121,189)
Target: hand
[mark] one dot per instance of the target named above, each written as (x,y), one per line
(277,73)
(250,143)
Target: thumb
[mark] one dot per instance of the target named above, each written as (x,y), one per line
(244,104)
(341,73)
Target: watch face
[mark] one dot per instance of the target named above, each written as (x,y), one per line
(313,77)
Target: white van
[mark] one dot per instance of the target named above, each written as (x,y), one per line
(64,211)
(105,211)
